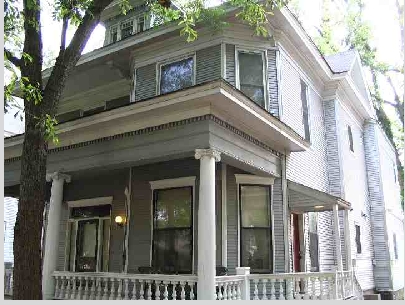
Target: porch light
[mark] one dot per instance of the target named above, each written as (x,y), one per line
(120,220)
(319,206)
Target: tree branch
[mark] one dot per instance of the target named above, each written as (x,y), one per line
(12,58)
(63,34)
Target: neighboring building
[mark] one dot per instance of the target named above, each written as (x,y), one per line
(231,151)
(10,213)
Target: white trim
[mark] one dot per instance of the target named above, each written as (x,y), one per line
(253,179)
(223,60)
(263,53)
(167,184)
(171,60)
(171,183)
(279,79)
(90,202)
(224,216)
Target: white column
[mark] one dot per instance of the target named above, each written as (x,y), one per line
(337,237)
(52,233)
(348,243)
(206,224)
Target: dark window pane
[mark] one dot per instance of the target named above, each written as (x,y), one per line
(176,76)
(251,76)
(91,211)
(173,208)
(256,249)
(305,115)
(126,29)
(172,250)
(255,204)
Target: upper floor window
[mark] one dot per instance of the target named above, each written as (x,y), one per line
(255,222)
(305,114)
(176,75)
(113,33)
(350,136)
(251,76)
(358,239)
(394,237)
(127,28)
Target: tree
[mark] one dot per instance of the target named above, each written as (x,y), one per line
(24,61)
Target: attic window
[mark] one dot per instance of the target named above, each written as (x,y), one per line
(350,135)
(126,28)
(113,34)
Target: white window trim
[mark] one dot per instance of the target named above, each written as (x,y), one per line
(160,64)
(135,30)
(167,184)
(90,202)
(263,181)
(262,52)
(81,203)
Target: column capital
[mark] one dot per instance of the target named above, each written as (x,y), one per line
(199,153)
(58,176)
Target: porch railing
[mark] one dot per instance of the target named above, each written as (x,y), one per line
(8,282)
(121,286)
(286,286)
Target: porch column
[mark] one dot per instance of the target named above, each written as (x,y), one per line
(206,224)
(348,243)
(337,237)
(52,233)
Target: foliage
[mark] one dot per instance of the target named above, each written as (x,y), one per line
(325,41)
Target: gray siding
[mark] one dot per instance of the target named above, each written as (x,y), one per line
(381,251)
(10,214)
(145,82)
(278,214)
(272,82)
(208,64)
(230,64)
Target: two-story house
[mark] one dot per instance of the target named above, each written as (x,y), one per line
(232,167)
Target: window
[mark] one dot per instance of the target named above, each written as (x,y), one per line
(88,238)
(176,75)
(313,241)
(305,114)
(350,135)
(126,28)
(172,247)
(358,240)
(113,34)
(251,80)
(255,222)
(394,238)
(140,21)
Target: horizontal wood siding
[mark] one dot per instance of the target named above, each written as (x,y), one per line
(10,214)
(230,64)
(208,64)
(272,82)
(278,213)
(145,82)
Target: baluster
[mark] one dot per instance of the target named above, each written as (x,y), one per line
(99,289)
(119,292)
(133,297)
(192,294)
(183,292)
(330,288)
(289,288)
(256,290)
(229,292)
(313,296)
(126,293)
(141,290)
(239,291)
(11,283)
(225,293)
(306,289)
(272,289)
(93,288)
(105,295)
(62,288)
(112,290)
(157,290)
(149,292)
(56,287)
(264,296)
(79,291)
(220,295)
(297,294)
(165,292)
(281,286)
(321,289)
(68,280)
(86,288)
(73,292)
(234,289)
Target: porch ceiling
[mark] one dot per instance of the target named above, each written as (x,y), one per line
(304,199)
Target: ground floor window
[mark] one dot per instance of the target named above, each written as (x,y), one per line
(88,238)
(255,231)
(172,246)
(313,241)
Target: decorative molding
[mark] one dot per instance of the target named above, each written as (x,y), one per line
(58,176)
(199,153)
(171,183)
(253,179)
(90,202)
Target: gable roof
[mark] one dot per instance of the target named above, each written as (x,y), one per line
(341,62)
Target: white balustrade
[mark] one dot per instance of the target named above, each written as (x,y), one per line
(229,287)
(118,286)
(8,281)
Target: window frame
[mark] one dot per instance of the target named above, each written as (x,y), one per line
(263,53)
(135,30)
(86,203)
(172,184)
(253,180)
(169,61)
(302,81)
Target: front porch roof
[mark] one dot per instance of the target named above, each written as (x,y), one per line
(304,199)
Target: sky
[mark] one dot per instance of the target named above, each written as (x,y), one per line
(380,14)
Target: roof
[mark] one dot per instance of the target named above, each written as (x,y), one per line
(341,62)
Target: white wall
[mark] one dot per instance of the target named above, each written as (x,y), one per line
(10,213)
